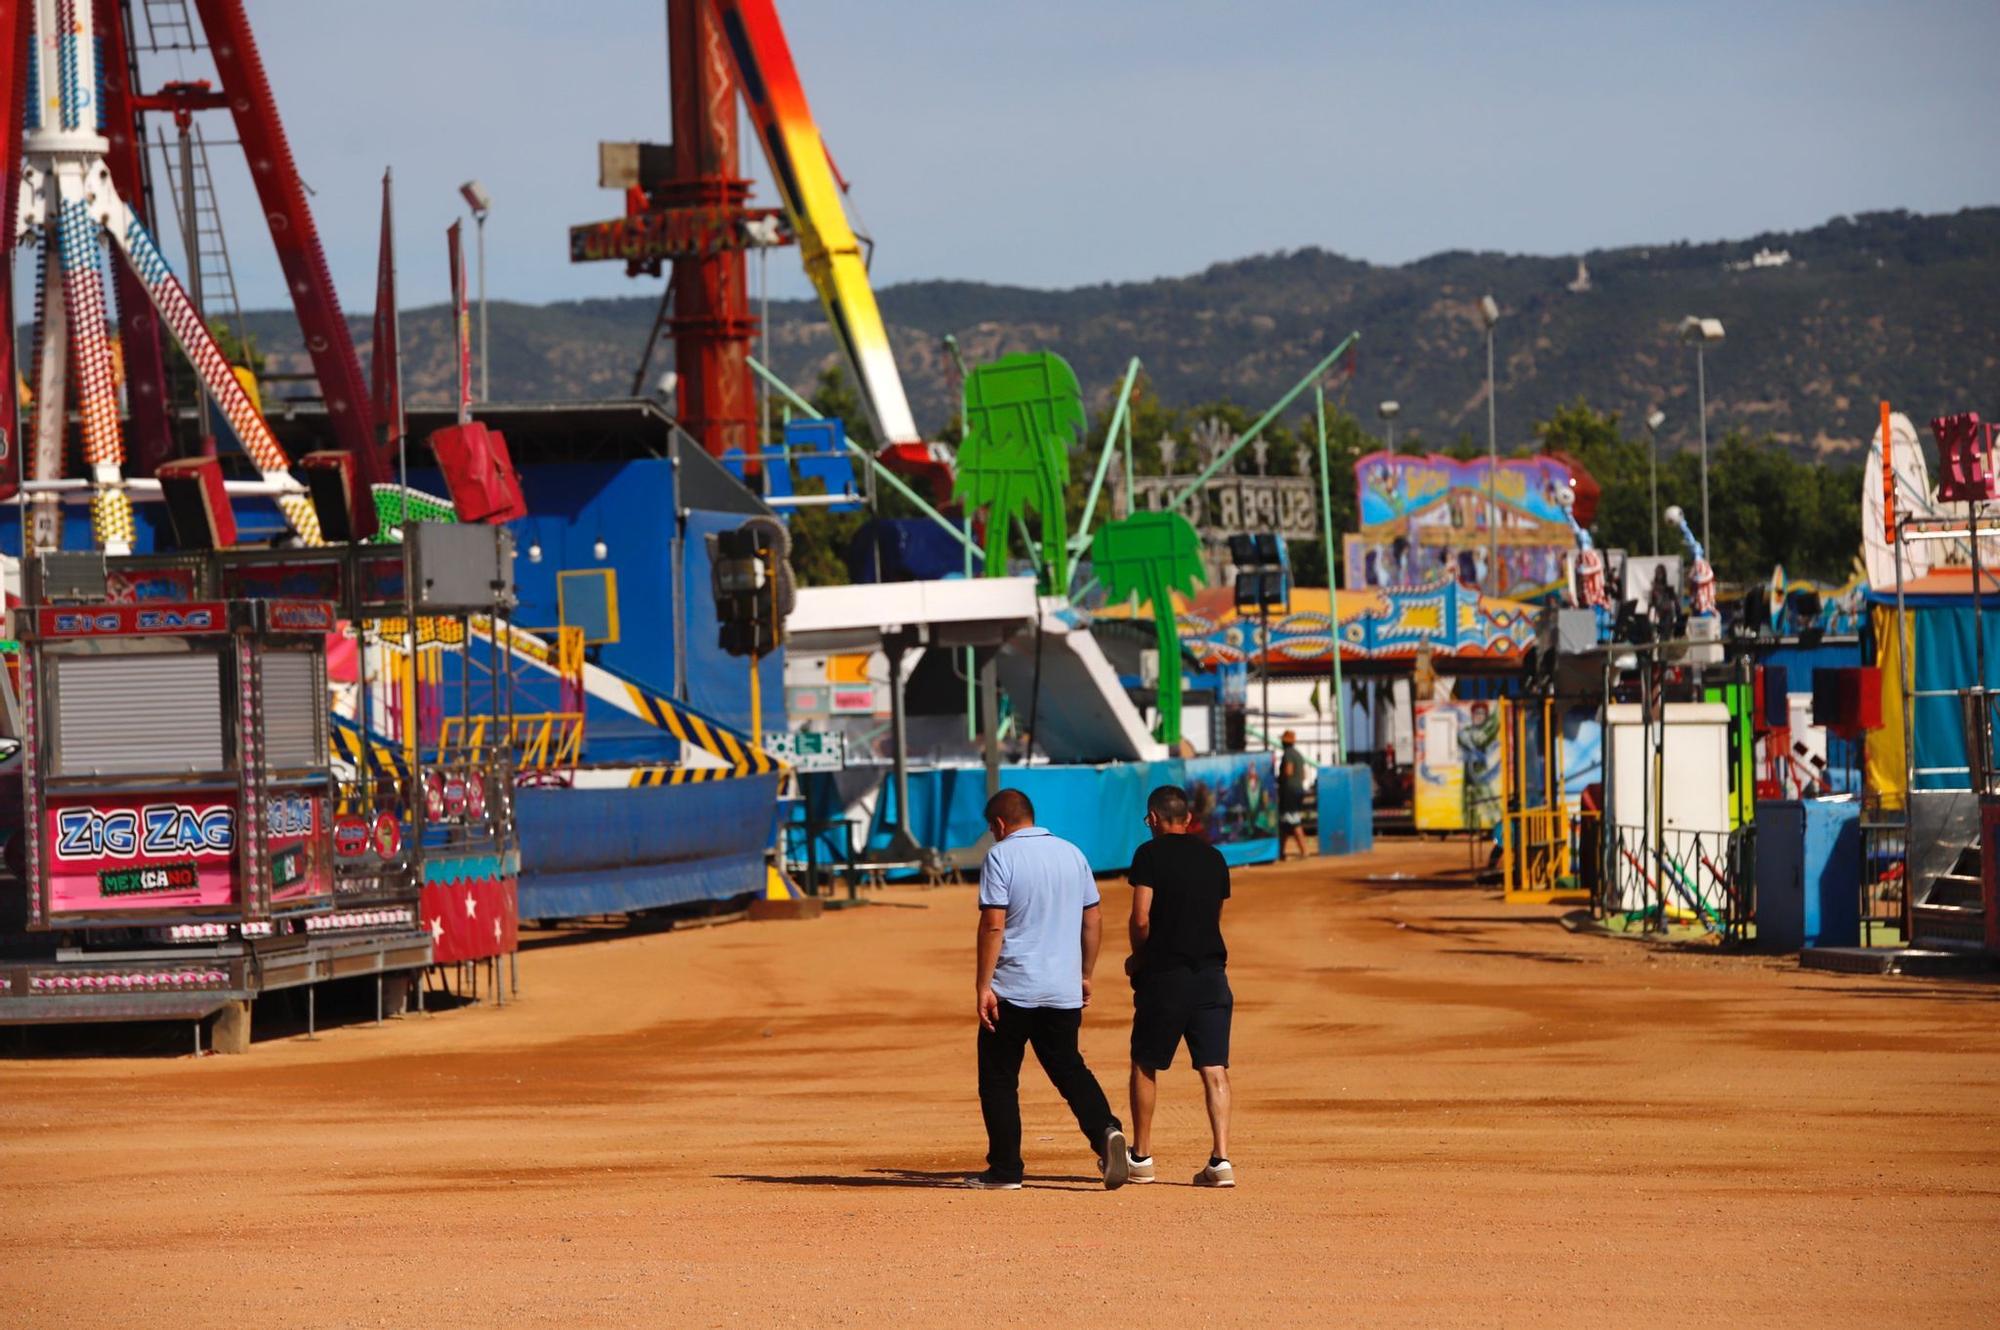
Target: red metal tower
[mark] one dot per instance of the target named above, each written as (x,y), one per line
(711,323)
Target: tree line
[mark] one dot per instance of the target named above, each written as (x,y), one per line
(1766,507)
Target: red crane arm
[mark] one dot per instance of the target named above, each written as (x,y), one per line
(293,234)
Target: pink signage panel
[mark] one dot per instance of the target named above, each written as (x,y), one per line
(142,854)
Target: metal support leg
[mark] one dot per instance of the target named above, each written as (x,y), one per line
(514,972)
(197,1038)
(499,989)
(378,997)
(312,1011)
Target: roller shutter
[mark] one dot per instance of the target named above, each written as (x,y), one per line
(136,715)
(294,710)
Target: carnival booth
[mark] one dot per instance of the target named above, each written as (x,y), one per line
(197,825)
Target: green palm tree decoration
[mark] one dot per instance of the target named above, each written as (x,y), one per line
(1022,414)
(1153,555)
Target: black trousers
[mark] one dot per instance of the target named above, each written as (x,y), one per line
(1052,1031)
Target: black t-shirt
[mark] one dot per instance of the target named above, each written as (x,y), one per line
(1292,780)
(1190,880)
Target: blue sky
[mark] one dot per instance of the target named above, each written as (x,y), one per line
(1058,144)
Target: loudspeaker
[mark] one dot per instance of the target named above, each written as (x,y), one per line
(197,503)
(1235,729)
(346,510)
(1776,702)
(479,473)
(1868,698)
(1826,697)
(1848,700)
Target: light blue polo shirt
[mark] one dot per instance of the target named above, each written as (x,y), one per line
(1045,884)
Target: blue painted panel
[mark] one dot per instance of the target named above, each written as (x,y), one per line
(1101,809)
(596,851)
(629,506)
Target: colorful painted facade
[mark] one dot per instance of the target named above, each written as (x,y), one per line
(1425,518)
(1377,623)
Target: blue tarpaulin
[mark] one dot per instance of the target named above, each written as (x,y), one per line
(1946,662)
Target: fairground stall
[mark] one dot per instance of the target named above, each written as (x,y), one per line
(185,834)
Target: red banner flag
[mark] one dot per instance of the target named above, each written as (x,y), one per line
(461,323)
(385,380)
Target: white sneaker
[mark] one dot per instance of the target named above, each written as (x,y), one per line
(1216,1175)
(1116,1161)
(1139,1170)
(991,1181)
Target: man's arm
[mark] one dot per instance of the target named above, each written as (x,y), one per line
(992,928)
(1140,926)
(1093,938)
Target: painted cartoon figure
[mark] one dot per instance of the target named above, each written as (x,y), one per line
(1701,577)
(1588,591)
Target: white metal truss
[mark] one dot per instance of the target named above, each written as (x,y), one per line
(69,205)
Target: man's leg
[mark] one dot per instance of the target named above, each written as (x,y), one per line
(1000,1089)
(1053,1032)
(1208,1049)
(1215,1088)
(1145,1093)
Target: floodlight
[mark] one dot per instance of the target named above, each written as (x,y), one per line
(475,196)
(1489,312)
(1655,420)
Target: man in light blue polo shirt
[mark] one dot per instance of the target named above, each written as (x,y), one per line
(1039,928)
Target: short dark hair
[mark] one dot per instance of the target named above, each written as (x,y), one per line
(1169,803)
(1011,807)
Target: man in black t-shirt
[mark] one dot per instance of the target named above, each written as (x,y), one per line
(1292,797)
(1179,987)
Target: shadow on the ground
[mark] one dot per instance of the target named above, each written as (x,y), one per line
(1511,920)
(1965,988)
(1539,957)
(904,1177)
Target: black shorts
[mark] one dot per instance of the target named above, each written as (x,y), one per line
(1171,1005)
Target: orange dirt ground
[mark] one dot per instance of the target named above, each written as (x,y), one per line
(1449,1111)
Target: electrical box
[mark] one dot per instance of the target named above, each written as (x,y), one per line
(454,564)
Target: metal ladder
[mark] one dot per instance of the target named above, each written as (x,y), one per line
(169,27)
(208,248)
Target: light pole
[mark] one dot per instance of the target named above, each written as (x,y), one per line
(1489,314)
(761,233)
(481,202)
(1653,423)
(1701,332)
(1389,411)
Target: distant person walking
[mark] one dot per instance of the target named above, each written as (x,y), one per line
(1292,796)
(1039,931)
(1180,987)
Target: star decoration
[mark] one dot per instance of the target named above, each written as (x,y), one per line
(437,929)
(471,905)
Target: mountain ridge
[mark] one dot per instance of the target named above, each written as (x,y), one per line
(1860,308)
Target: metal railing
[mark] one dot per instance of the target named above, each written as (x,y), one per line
(540,743)
(1655,877)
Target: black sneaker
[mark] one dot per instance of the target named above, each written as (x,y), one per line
(991,1181)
